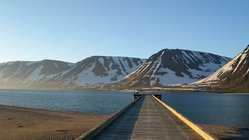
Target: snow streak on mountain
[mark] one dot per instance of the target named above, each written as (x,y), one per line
(174,66)
(48,73)
(98,70)
(235,74)
(167,67)
(27,73)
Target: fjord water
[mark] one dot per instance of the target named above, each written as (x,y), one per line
(104,103)
(211,108)
(221,109)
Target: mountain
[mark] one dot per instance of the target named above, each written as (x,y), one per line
(235,74)
(25,73)
(97,70)
(50,73)
(174,66)
(167,67)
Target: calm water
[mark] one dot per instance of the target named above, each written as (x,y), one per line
(222,109)
(104,103)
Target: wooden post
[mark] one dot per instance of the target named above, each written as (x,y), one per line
(136,95)
(158,96)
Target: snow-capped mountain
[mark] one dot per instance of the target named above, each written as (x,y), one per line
(49,73)
(167,67)
(98,70)
(174,66)
(235,74)
(33,72)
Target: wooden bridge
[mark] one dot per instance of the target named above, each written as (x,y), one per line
(147,118)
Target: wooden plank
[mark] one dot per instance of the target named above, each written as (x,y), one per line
(147,119)
(193,126)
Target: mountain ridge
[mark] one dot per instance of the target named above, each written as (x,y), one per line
(174,66)
(167,67)
(235,74)
(47,72)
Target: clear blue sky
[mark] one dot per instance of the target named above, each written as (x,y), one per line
(71,30)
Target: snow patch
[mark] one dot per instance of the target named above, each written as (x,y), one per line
(36,74)
(170,78)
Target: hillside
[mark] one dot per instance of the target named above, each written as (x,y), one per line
(173,67)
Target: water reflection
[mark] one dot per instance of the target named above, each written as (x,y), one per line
(222,109)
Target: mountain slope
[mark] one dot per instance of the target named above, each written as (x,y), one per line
(49,73)
(97,70)
(174,66)
(235,74)
(24,73)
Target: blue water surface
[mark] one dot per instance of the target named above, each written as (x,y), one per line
(103,103)
(220,109)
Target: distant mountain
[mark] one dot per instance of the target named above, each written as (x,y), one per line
(167,67)
(97,70)
(235,74)
(91,71)
(174,66)
(24,73)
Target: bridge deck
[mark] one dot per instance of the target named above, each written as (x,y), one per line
(144,120)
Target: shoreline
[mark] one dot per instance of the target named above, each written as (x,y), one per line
(164,90)
(28,123)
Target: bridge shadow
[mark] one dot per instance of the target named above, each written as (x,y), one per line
(122,128)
